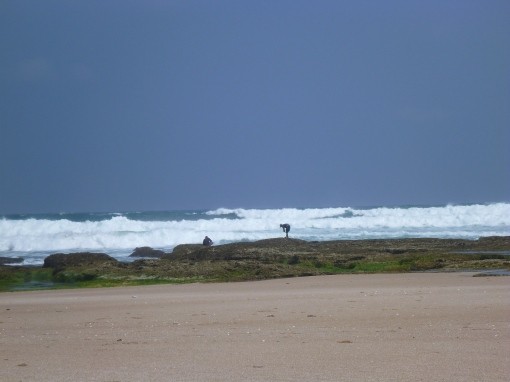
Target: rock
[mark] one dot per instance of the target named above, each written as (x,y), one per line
(59,261)
(10,260)
(186,249)
(147,252)
(256,250)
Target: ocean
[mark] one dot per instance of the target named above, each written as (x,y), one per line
(33,237)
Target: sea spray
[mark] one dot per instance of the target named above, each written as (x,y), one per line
(35,236)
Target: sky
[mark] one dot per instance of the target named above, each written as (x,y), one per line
(126,105)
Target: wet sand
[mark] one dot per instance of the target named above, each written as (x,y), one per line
(384,327)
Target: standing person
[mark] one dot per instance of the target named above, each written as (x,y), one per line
(207,241)
(286,229)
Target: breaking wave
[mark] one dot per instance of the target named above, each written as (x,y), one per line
(35,236)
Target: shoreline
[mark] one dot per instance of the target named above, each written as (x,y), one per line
(17,259)
(370,327)
(259,260)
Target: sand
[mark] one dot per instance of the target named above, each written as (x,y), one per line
(385,327)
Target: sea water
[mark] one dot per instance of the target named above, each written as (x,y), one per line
(33,237)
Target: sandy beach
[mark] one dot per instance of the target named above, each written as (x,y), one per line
(383,327)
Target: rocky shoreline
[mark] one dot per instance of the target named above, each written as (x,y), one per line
(264,259)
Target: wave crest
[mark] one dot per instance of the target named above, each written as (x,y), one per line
(118,231)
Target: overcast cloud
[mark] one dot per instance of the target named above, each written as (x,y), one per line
(157,105)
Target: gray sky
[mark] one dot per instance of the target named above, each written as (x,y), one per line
(155,105)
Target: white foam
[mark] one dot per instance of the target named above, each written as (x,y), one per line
(121,235)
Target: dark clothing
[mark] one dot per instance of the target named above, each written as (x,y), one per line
(207,241)
(286,229)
